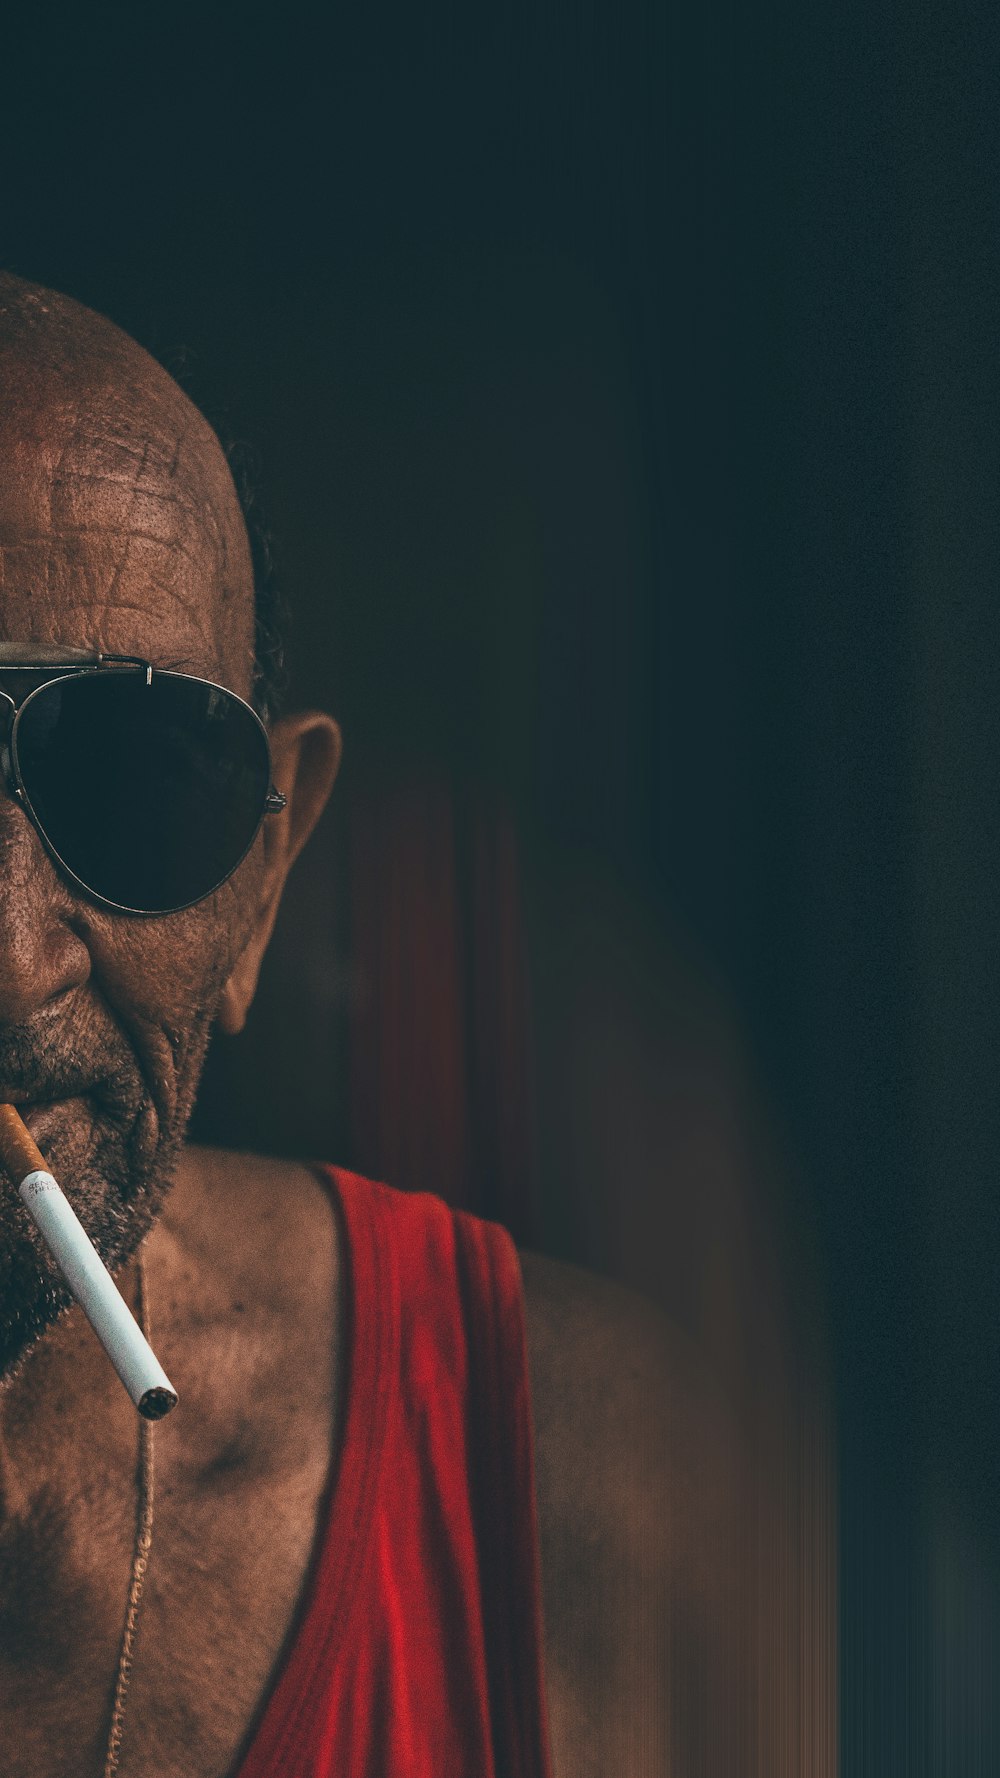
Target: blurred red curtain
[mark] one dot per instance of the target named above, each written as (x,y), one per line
(440,1041)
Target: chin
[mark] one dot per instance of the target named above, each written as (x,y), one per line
(116,1205)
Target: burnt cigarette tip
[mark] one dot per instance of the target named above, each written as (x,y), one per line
(156,1403)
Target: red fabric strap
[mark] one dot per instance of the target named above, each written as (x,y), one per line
(417,1651)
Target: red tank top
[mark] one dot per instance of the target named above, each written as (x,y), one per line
(417,1648)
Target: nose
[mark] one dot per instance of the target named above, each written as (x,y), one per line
(42,957)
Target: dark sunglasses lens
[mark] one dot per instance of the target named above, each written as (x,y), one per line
(150,794)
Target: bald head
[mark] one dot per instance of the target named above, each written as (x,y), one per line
(119,519)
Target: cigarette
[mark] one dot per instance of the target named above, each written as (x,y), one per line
(88,1278)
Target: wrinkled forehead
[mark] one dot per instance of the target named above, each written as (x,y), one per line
(119,524)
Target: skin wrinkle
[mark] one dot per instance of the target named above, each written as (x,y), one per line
(94,477)
(137,536)
(175,459)
(183,590)
(119,481)
(173,544)
(122,565)
(56,471)
(142,608)
(54,481)
(203,514)
(107,438)
(70,481)
(100,448)
(95,530)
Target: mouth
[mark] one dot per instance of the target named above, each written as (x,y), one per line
(46,1119)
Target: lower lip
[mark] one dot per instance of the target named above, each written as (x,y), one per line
(45,1119)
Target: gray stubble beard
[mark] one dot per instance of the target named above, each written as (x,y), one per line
(118,1195)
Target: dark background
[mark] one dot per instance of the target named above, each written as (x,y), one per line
(623,387)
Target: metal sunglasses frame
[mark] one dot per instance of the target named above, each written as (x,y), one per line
(59,663)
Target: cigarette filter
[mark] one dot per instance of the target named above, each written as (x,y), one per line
(88,1278)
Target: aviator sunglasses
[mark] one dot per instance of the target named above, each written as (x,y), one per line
(146,788)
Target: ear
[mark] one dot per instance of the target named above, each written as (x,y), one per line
(305,756)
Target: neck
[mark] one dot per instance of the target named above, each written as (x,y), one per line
(68,1459)
(65,1415)
(68,1452)
(67,1428)
(63,1400)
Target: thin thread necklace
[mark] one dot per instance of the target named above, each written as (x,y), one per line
(140,1554)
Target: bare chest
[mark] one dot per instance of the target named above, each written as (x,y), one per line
(224,1589)
(226,1575)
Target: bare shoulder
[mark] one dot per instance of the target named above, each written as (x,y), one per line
(247,1272)
(271,1219)
(615,1384)
(636,1454)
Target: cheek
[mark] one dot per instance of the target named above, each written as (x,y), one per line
(162,977)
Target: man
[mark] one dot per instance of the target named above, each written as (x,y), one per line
(121,534)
